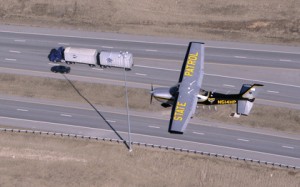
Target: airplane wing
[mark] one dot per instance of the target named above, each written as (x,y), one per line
(189,84)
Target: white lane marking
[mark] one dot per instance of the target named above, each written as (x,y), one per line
(23,110)
(99,69)
(154,127)
(20,40)
(285,60)
(288,147)
(51,63)
(123,113)
(12,51)
(200,133)
(11,59)
(63,44)
(111,121)
(156,68)
(244,140)
(271,91)
(66,115)
(268,82)
(223,76)
(248,49)
(228,85)
(240,57)
(178,140)
(141,74)
(108,47)
(148,42)
(151,50)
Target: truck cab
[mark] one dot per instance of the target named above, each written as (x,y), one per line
(56,55)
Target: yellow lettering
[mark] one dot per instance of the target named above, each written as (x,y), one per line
(179,111)
(223,102)
(177,118)
(191,63)
(193,56)
(181,104)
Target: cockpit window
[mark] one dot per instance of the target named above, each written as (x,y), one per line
(203,92)
(173,90)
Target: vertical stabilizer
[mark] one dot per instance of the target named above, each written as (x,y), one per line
(248,93)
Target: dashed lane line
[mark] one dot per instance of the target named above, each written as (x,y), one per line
(243,140)
(155,127)
(66,115)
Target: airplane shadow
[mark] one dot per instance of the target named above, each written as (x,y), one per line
(99,113)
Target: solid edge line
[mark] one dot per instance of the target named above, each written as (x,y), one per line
(185,141)
(141,41)
(153,117)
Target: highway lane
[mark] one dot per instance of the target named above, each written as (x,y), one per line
(29,51)
(84,117)
(155,50)
(164,50)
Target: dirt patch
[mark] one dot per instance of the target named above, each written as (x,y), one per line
(139,100)
(261,21)
(62,161)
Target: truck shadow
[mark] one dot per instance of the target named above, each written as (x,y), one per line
(98,112)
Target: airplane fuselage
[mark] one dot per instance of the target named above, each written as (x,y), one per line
(166,95)
(219,99)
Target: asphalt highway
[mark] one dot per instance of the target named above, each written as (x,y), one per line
(226,69)
(116,122)
(228,66)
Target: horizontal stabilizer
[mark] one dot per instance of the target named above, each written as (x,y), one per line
(244,107)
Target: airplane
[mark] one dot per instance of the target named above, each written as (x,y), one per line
(187,93)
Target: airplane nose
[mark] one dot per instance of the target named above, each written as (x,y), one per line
(161,94)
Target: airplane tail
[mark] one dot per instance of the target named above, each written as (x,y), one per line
(248,93)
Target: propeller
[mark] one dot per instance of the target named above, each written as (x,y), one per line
(151,93)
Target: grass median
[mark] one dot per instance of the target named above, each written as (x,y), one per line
(262,116)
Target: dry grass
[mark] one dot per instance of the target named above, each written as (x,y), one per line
(107,95)
(257,20)
(61,161)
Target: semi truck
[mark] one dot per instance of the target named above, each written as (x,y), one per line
(92,57)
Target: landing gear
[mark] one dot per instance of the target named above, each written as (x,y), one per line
(165,105)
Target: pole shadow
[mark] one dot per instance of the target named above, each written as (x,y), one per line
(99,113)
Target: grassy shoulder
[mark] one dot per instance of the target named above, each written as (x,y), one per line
(262,116)
(63,161)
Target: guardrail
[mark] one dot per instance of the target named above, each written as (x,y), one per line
(155,146)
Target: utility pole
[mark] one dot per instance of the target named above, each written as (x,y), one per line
(123,54)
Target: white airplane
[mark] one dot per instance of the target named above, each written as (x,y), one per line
(185,96)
